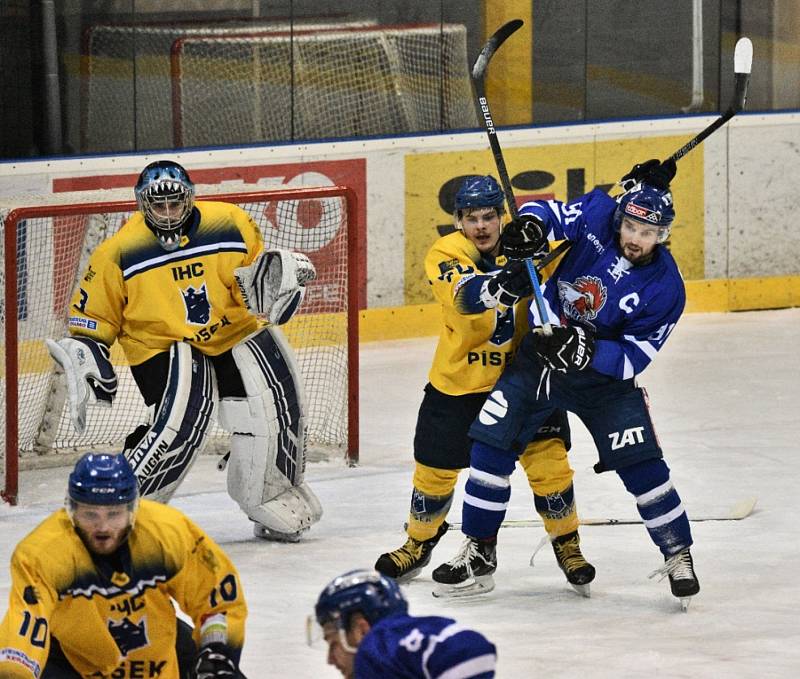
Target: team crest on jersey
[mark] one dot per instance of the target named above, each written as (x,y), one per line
(557,506)
(583,299)
(128,635)
(198,310)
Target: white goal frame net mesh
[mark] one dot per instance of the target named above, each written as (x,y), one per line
(149,87)
(125,77)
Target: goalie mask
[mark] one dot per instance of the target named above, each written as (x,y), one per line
(165,196)
(647,205)
(478,192)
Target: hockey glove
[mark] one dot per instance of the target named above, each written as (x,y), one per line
(569,348)
(214,662)
(507,286)
(652,172)
(86,364)
(274,285)
(523,238)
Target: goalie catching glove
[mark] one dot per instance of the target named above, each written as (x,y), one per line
(567,349)
(273,286)
(523,238)
(86,365)
(507,286)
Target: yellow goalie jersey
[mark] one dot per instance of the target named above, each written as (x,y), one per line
(117,624)
(473,348)
(147,298)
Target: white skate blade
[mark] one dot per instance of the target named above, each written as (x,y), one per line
(408,577)
(583,590)
(685,601)
(483,584)
(274,536)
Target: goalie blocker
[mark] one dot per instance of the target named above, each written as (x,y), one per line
(86,367)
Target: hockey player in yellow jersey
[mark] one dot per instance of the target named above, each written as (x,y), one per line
(193,297)
(483,320)
(92,589)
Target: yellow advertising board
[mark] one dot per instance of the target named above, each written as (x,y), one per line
(560,171)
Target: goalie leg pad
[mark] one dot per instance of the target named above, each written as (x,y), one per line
(268,457)
(169,447)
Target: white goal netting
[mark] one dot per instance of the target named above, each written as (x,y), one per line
(161,87)
(125,78)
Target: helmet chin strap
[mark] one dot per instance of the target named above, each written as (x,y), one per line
(343,641)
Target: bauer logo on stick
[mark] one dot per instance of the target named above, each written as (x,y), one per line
(487,115)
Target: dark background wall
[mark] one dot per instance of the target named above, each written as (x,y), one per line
(591,59)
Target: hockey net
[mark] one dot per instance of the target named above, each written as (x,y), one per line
(45,250)
(338,83)
(125,77)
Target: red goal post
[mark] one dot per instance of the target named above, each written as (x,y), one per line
(45,250)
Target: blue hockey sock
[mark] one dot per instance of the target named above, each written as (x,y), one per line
(659,505)
(487,491)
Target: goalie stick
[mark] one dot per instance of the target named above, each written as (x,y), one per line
(485,113)
(742,64)
(741,510)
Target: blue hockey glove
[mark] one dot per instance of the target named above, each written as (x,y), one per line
(523,238)
(652,172)
(507,286)
(568,348)
(214,662)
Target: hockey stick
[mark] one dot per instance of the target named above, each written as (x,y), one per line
(478,72)
(742,63)
(561,248)
(741,510)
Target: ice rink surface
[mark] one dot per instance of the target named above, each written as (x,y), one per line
(724,395)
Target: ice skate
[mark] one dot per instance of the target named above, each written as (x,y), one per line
(470,571)
(261,531)
(682,579)
(406,563)
(578,570)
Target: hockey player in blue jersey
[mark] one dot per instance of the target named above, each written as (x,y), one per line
(370,635)
(613,302)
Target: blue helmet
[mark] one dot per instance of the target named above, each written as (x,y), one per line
(479,191)
(161,183)
(360,591)
(103,479)
(648,205)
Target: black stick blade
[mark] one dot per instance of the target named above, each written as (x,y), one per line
(498,38)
